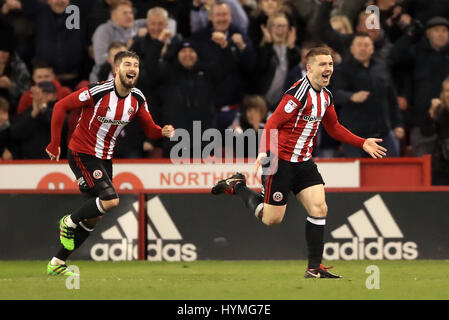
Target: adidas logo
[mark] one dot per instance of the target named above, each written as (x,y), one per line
(378,224)
(164,238)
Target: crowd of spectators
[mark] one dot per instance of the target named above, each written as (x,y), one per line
(227,63)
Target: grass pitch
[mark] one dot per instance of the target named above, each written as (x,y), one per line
(234,280)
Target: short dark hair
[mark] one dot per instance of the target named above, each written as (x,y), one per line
(4,105)
(317,51)
(125,54)
(360,35)
(40,64)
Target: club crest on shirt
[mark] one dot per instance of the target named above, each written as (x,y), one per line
(290,106)
(130,111)
(84,96)
(97,174)
(277,196)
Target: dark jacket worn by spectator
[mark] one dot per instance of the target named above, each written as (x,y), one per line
(379,113)
(186,94)
(425,69)
(424,10)
(31,135)
(64,49)
(230,90)
(440,158)
(267,63)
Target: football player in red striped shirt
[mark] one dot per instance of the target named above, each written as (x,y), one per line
(106,108)
(294,124)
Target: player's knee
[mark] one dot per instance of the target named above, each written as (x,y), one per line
(272,220)
(319,210)
(110,204)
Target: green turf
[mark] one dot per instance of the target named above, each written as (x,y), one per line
(261,280)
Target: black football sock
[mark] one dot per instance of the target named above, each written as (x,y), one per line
(90,209)
(63,254)
(81,234)
(315,240)
(253,200)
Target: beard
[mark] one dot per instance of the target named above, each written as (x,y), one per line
(127,83)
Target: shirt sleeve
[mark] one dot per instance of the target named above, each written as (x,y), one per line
(79,99)
(339,132)
(286,109)
(151,129)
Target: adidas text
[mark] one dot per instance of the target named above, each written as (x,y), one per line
(373,250)
(157,251)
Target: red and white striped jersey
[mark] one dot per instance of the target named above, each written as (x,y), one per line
(103,115)
(297,119)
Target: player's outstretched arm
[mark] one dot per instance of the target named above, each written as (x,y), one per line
(373,149)
(78,99)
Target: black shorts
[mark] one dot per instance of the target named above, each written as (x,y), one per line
(94,175)
(290,176)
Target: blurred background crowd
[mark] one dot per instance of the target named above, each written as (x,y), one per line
(227,63)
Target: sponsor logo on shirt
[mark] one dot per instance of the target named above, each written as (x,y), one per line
(311,118)
(110,121)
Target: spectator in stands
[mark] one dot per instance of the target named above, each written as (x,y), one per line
(363,90)
(14,75)
(391,17)
(62,47)
(42,72)
(31,130)
(424,66)
(157,30)
(425,10)
(178,10)
(121,27)
(276,56)
(439,113)
(341,24)
(211,40)
(106,70)
(199,15)
(5,140)
(18,29)
(99,13)
(253,114)
(322,30)
(259,18)
(187,88)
